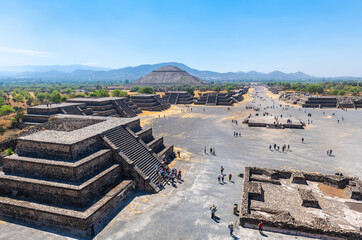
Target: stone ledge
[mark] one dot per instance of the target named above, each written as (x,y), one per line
(69,220)
(71,171)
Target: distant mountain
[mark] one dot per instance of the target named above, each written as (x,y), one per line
(82,72)
(60,68)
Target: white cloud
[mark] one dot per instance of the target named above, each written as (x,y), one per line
(23,52)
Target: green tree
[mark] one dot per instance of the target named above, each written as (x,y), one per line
(135,88)
(191,91)
(6,109)
(217,88)
(56,97)
(102,93)
(230,88)
(147,90)
(341,92)
(18,98)
(41,97)
(334,92)
(119,93)
(2,101)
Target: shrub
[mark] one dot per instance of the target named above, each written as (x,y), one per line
(147,90)
(119,93)
(6,109)
(135,89)
(9,152)
(341,92)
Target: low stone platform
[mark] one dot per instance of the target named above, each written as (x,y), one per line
(300,207)
(149,102)
(270,122)
(178,97)
(107,107)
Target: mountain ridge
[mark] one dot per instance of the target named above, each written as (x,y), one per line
(83,72)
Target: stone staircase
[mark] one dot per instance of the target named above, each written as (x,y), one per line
(211,100)
(125,143)
(173,98)
(128,111)
(73,110)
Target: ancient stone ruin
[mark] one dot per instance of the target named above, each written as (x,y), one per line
(149,102)
(178,97)
(75,171)
(108,107)
(269,121)
(306,101)
(213,99)
(168,75)
(295,201)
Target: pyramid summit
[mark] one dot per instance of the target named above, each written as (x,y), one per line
(168,75)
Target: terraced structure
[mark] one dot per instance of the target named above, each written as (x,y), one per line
(75,171)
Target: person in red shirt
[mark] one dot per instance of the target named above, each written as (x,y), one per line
(260,226)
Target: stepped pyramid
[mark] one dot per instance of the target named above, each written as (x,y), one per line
(169,75)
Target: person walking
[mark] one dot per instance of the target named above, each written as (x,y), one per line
(230,176)
(179,175)
(270,147)
(231,228)
(218,178)
(213,210)
(260,227)
(205,149)
(288,147)
(222,178)
(222,170)
(302,140)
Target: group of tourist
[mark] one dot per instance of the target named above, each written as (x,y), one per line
(329,152)
(234,121)
(285,148)
(167,174)
(212,150)
(237,134)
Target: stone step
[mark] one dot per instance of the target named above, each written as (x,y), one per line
(72,221)
(54,169)
(64,194)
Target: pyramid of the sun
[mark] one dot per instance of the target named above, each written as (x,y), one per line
(168,75)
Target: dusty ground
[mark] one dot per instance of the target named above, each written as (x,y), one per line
(182,212)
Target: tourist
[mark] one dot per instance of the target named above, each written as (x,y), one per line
(222,169)
(222,177)
(92,229)
(260,226)
(234,133)
(330,152)
(275,145)
(338,121)
(156,168)
(210,150)
(231,227)
(179,154)
(302,140)
(230,176)
(205,149)
(218,178)
(179,175)
(213,151)
(342,119)
(278,148)
(213,210)
(288,147)
(270,147)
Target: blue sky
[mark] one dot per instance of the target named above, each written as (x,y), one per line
(318,37)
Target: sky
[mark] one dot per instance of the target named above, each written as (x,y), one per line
(317,37)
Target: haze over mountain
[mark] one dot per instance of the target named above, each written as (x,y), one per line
(82,72)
